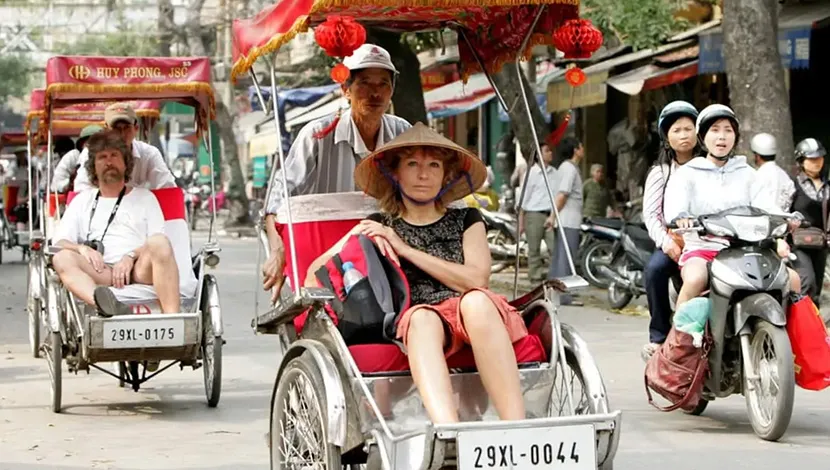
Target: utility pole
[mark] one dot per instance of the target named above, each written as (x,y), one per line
(228,58)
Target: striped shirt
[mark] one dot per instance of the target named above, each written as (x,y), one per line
(326,165)
(653,196)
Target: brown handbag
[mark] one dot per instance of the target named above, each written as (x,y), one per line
(677,371)
(812,237)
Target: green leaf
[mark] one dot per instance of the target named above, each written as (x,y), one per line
(15,74)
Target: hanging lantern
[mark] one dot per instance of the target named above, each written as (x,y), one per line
(575,76)
(340,73)
(578,39)
(340,36)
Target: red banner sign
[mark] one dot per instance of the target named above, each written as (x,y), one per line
(438,76)
(495,28)
(82,79)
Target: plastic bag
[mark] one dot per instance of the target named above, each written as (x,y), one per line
(691,318)
(810,343)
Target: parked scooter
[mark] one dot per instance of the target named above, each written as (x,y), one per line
(598,238)
(626,268)
(751,353)
(502,232)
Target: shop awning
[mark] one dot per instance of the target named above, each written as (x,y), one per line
(459,97)
(651,77)
(329,108)
(795,26)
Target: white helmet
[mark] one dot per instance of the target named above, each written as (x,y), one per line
(764,144)
(712,113)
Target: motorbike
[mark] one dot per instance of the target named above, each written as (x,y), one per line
(751,352)
(502,233)
(627,264)
(598,238)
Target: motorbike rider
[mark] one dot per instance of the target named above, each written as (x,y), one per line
(676,126)
(711,184)
(811,190)
(776,183)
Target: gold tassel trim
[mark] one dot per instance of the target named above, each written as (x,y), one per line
(301,25)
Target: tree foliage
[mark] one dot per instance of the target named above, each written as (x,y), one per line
(15,72)
(122,44)
(640,24)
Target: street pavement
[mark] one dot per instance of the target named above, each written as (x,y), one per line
(167,425)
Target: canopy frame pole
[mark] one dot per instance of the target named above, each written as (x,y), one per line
(285,192)
(260,222)
(31,172)
(48,168)
(538,145)
(208,138)
(292,245)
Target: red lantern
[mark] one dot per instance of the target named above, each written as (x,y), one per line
(575,76)
(340,36)
(578,39)
(340,73)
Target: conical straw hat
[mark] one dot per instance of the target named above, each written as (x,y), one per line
(371,180)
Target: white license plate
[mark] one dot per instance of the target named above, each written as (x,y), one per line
(559,448)
(143,334)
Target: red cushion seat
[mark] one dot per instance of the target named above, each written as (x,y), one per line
(374,358)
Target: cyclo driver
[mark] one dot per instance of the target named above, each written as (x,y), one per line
(149,169)
(112,235)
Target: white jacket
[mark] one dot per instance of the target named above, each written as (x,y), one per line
(700,187)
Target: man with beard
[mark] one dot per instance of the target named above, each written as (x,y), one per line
(113,235)
(149,171)
(323,157)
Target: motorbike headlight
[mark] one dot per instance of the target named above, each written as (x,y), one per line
(750,229)
(719,230)
(779,231)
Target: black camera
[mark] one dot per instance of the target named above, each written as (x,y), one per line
(96,245)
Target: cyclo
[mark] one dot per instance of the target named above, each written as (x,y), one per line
(329,406)
(66,122)
(10,237)
(74,331)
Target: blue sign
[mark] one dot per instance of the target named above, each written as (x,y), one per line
(793,45)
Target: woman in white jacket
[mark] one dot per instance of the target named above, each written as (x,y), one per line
(707,185)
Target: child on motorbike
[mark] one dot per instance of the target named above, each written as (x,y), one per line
(707,185)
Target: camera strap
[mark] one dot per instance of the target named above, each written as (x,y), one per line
(112,214)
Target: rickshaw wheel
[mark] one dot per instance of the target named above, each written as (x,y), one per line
(55,360)
(298,437)
(211,349)
(212,362)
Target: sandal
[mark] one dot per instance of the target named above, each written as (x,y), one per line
(649,350)
(108,305)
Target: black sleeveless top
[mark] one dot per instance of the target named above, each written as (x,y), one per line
(442,239)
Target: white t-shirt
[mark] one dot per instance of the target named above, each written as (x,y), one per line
(138,217)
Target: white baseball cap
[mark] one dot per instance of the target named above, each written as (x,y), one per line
(370,56)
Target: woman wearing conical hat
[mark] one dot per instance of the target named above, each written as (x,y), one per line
(445,256)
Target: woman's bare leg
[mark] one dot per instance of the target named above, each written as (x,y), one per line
(425,342)
(495,358)
(695,274)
